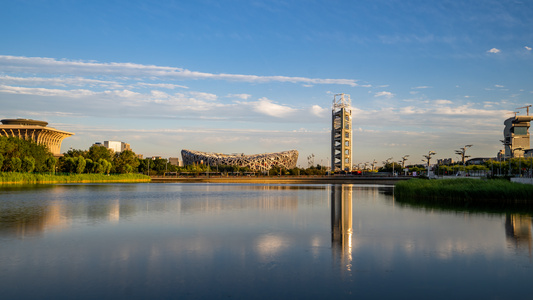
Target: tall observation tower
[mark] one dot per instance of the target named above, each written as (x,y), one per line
(341,133)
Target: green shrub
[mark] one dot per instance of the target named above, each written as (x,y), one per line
(465,191)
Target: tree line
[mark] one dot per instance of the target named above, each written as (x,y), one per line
(19,155)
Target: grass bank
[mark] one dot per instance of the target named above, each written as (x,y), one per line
(465,192)
(29,178)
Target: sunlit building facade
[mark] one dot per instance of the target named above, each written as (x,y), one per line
(516,136)
(115,146)
(256,162)
(36,131)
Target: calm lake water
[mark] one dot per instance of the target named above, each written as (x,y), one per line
(239,241)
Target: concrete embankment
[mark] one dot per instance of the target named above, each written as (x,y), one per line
(522,180)
(284,180)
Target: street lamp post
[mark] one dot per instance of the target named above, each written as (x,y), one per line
(428,158)
(462,152)
(392,162)
(404,158)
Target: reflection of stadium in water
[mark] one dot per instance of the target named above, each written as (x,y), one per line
(518,231)
(341,224)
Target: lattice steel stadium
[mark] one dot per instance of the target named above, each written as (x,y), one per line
(256,162)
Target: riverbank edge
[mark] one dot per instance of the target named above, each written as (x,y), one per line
(284,180)
(24,178)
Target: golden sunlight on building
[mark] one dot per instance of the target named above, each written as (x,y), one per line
(36,131)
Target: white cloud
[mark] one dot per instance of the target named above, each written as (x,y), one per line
(122,93)
(21,64)
(422,87)
(169,86)
(442,102)
(58,81)
(319,111)
(494,50)
(159,95)
(384,94)
(239,96)
(45,92)
(528,48)
(268,107)
(409,110)
(499,86)
(203,96)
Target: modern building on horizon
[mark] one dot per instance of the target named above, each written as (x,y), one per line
(516,137)
(36,131)
(175,161)
(445,161)
(341,134)
(116,146)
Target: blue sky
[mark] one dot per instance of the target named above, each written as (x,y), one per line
(259,76)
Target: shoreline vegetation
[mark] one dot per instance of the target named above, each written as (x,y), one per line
(35,178)
(465,193)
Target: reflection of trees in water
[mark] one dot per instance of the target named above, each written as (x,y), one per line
(32,210)
(518,231)
(341,224)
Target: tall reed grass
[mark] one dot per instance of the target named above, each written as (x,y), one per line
(465,191)
(34,178)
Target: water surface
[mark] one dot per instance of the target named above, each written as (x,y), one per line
(246,241)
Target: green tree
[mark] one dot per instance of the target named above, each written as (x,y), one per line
(89,165)
(15,147)
(108,166)
(1,161)
(97,168)
(80,164)
(51,163)
(124,159)
(68,165)
(75,153)
(15,164)
(274,171)
(27,164)
(104,166)
(159,165)
(97,152)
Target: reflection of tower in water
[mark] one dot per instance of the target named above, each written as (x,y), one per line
(518,231)
(341,223)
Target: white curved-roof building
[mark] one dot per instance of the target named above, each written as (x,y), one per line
(35,130)
(256,162)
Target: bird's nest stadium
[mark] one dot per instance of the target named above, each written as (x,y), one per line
(256,162)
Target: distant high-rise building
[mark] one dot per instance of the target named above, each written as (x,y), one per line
(36,131)
(175,161)
(115,146)
(341,133)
